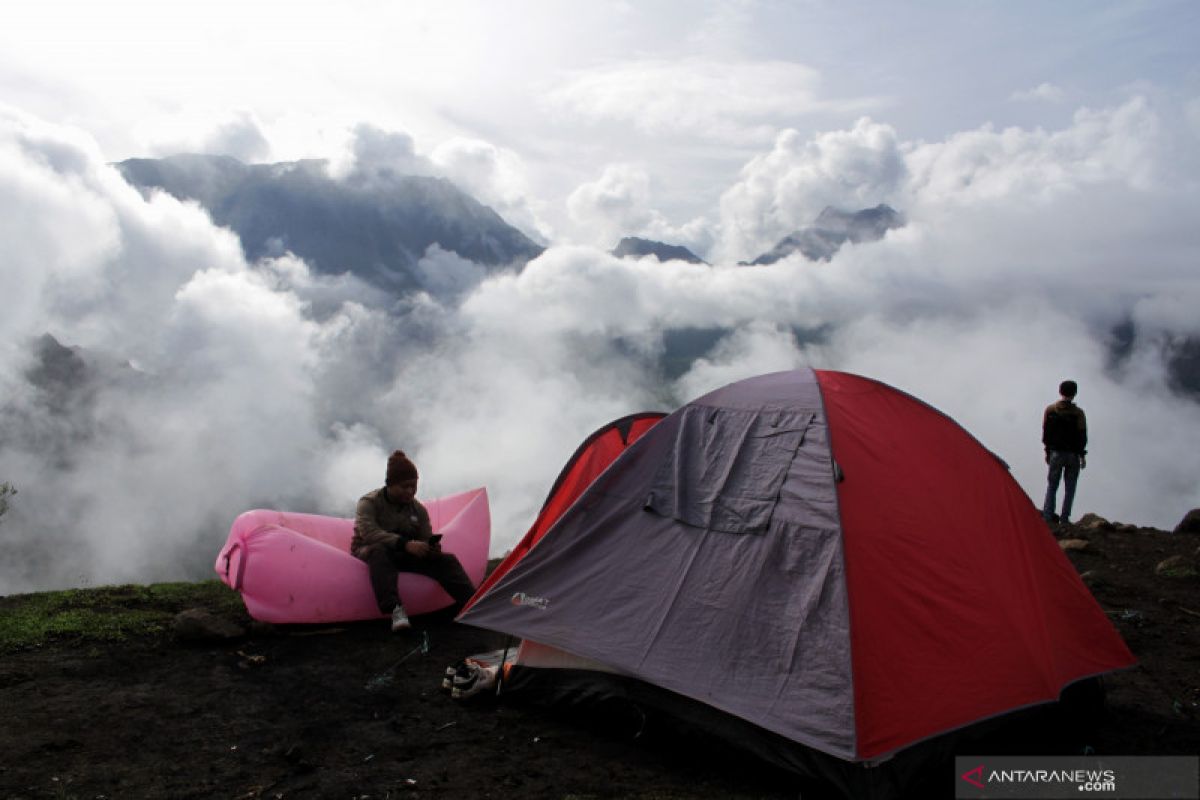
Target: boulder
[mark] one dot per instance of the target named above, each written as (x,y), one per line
(1073,544)
(198,625)
(1190,522)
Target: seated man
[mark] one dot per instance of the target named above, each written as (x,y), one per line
(392,534)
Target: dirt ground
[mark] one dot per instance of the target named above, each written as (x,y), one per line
(352,711)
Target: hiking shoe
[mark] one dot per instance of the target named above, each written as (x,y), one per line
(465,683)
(456,675)
(400,620)
(479,682)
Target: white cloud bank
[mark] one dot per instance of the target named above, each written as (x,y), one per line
(256,385)
(621,203)
(787,187)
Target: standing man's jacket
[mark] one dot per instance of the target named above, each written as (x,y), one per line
(380,523)
(1064,428)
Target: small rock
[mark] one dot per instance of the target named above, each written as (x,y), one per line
(198,625)
(1073,544)
(249,660)
(1190,522)
(1178,566)
(1092,579)
(1092,522)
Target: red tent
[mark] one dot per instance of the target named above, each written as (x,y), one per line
(813,552)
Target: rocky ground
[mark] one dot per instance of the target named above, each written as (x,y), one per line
(352,711)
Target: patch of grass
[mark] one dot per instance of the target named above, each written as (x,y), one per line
(107,613)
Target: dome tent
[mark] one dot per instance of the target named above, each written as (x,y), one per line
(819,555)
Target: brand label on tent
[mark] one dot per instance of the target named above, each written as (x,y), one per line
(1076,776)
(522,599)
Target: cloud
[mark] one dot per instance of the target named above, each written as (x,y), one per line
(787,187)
(80,236)
(266,385)
(371,150)
(122,469)
(1012,274)
(712,99)
(1043,92)
(754,348)
(238,134)
(447,275)
(619,203)
(615,203)
(1123,144)
(495,176)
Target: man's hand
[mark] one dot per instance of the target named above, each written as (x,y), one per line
(417,549)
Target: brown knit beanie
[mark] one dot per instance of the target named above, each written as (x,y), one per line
(400,469)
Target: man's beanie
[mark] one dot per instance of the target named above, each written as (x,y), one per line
(1068,389)
(400,469)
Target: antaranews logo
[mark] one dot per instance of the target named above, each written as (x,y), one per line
(1050,777)
(1082,780)
(1070,776)
(522,599)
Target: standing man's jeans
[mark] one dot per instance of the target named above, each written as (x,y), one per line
(1062,464)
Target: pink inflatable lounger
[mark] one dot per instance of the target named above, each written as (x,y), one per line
(298,567)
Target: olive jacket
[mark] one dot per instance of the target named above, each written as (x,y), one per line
(380,523)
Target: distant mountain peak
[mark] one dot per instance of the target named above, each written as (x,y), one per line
(375,225)
(832,228)
(635,247)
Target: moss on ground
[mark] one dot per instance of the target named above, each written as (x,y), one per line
(107,613)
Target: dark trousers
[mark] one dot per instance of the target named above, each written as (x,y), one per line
(1064,466)
(386,563)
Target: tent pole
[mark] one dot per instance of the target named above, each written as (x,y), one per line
(503,664)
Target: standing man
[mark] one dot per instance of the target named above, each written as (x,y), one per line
(1064,433)
(393,535)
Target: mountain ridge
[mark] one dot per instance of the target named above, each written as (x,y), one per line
(375,224)
(637,247)
(832,228)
